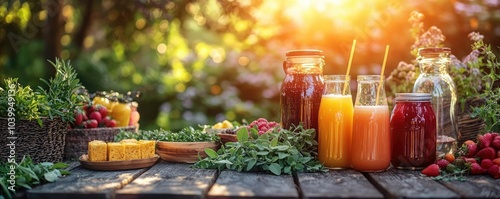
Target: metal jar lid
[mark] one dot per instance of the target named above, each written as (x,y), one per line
(297,53)
(413,97)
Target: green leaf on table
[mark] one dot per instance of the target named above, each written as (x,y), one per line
(51,176)
(242,135)
(211,153)
(47,164)
(251,164)
(275,168)
(60,165)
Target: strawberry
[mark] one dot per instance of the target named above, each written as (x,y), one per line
(486,153)
(496,143)
(92,123)
(442,163)
(78,117)
(487,163)
(88,109)
(470,160)
(494,171)
(485,140)
(95,116)
(111,123)
(86,124)
(496,161)
(475,168)
(102,109)
(498,154)
(471,150)
(431,170)
(104,121)
(494,135)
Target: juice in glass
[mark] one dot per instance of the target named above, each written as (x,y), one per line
(371,140)
(335,123)
(301,89)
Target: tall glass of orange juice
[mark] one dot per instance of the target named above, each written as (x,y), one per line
(371,148)
(335,122)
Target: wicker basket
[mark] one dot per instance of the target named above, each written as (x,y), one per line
(43,143)
(77,139)
(469,127)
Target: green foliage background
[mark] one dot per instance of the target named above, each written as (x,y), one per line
(202,61)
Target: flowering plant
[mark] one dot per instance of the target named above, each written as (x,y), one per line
(474,76)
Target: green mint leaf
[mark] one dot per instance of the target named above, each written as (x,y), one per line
(211,153)
(242,135)
(251,164)
(275,169)
(50,176)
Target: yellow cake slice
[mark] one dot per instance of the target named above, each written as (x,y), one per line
(132,151)
(147,148)
(97,150)
(116,151)
(129,141)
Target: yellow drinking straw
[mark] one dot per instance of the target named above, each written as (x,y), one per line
(382,73)
(349,65)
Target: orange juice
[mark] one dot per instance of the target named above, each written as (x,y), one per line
(371,148)
(335,129)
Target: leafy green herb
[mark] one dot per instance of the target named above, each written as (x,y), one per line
(280,151)
(490,111)
(29,174)
(61,93)
(59,100)
(188,134)
(19,101)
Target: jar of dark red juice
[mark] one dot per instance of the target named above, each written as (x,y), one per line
(302,88)
(413,131)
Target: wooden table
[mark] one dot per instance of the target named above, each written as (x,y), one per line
(174,180)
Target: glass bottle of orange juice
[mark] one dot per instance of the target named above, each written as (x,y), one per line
(335,122)
(371,142)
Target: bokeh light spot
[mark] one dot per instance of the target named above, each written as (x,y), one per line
(42,15)
(215,89)
(140,23)
(161,48)
(243,61)
(180,87)
(65,40)
(88,42)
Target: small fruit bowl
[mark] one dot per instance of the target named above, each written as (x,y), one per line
(184,152)
(225,137)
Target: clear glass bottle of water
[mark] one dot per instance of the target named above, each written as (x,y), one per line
(434,79)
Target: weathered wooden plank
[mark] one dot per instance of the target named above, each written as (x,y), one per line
(409,184)
(336,184)
(169,180)
(232,184)
(84,183)
(476,186)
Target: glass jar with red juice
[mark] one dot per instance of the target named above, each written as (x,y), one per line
(302,88)
(413,131)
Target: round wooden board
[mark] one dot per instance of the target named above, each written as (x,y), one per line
(184,152)
(117,165)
